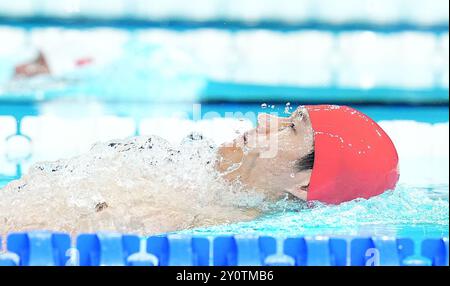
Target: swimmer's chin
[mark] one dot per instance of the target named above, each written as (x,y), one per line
(298,193)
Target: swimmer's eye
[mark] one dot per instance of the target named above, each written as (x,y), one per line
(300,113)
(292,127)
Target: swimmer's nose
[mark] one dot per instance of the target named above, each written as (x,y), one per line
(268,123)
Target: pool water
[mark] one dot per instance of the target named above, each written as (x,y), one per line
(63,116)
(418,208)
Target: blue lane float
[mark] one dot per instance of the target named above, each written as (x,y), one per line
(436,250)
(111,249)
(6,259)
(105,249)
(39,248)
(389,251)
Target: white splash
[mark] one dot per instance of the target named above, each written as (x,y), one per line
(137,185)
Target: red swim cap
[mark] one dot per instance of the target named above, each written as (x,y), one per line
(354,157)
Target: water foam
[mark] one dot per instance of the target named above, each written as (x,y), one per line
(391,213)
(141,184)
(124,185)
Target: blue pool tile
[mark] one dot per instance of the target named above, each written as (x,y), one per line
(106,249)
(381,251)
(40,248)
(436,250)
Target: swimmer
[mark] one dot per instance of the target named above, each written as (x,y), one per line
(43,65)
(325,153)
(328,153)
(38,66)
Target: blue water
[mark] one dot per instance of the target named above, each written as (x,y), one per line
(137,110)
(412,211)
(409,211)
(167,68)
(405,212)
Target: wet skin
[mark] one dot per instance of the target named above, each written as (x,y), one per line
(264,158)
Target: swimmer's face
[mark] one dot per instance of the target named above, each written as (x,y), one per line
(272,156)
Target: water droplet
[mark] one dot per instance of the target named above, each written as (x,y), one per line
(287,108)
(292,175)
